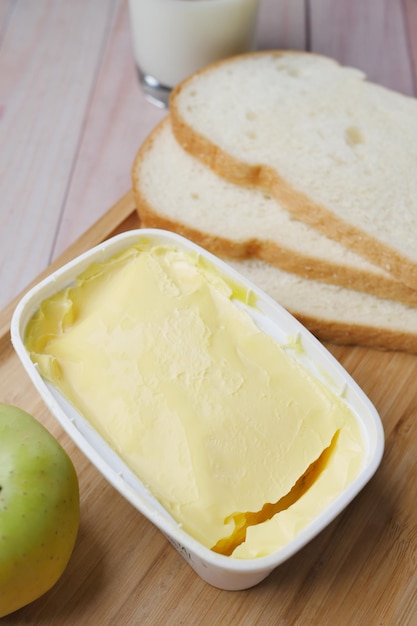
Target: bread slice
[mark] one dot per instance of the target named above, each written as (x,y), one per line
(337,151)
(175,191)
(336,314)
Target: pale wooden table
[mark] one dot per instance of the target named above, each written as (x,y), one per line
(71,119)
(72,114)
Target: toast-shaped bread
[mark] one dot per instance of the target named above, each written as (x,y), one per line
(336,314)
(335,150)
(175,191)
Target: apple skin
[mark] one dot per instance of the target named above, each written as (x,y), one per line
(39,509)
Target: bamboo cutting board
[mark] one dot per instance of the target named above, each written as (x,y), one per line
(360,570)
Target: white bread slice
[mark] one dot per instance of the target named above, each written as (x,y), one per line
(175,191)
(337,151)
(336,314)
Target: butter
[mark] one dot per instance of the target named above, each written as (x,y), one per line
(239,442)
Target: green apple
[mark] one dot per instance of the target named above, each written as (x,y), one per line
(39,509)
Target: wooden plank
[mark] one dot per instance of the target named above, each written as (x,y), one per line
(117,121)
(6,8)
(49,57)
(410,18)
(366,34)
(282,25)
(360,570)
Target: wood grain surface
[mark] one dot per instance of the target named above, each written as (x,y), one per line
(361,570)
(72,114)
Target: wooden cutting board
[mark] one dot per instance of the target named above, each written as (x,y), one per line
(360,570)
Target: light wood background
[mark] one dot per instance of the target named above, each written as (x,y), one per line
(72,114)
(71,119)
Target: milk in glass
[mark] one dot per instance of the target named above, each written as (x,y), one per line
(174,38)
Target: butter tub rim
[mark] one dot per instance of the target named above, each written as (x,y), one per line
(219,570)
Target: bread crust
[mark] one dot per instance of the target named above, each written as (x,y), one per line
(326,327)
(334,331)
(383,286)
(270,253)
(295,201)
(341,333)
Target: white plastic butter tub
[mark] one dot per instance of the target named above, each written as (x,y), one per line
(218,570)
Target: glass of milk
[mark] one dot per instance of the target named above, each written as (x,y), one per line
(174,38)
